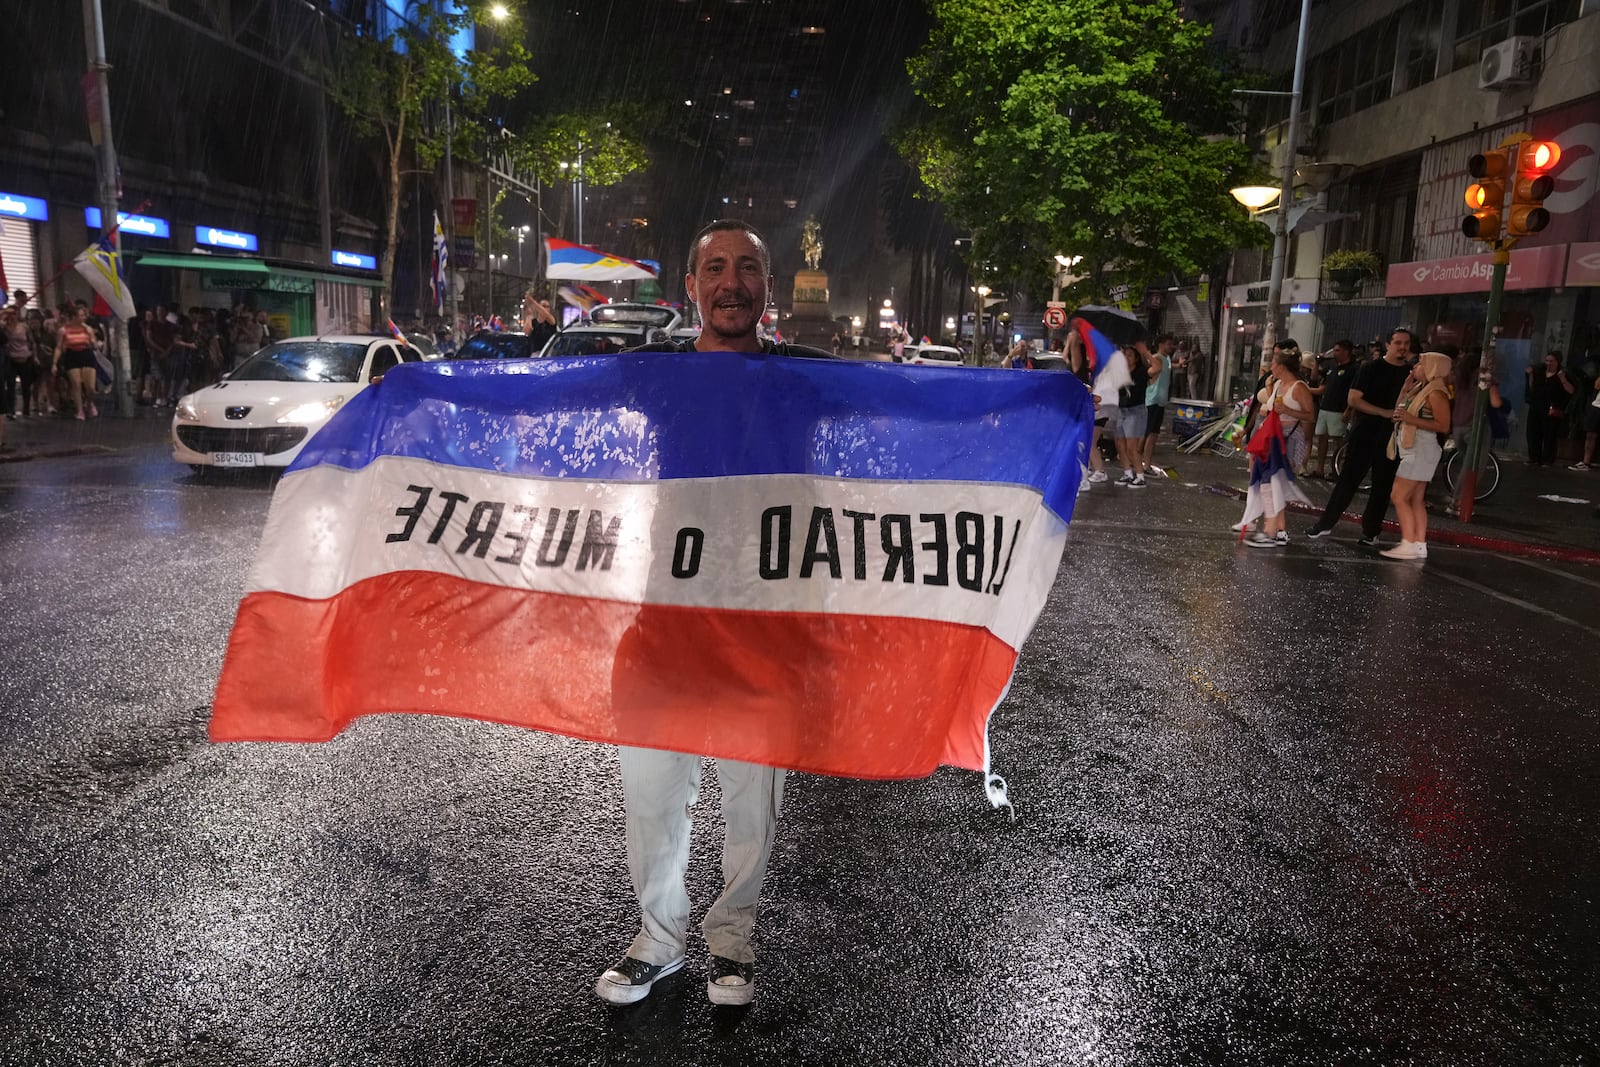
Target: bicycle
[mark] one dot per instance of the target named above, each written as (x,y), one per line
(1454,461)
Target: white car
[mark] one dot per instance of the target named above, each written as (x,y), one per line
(933,355)
(266,409)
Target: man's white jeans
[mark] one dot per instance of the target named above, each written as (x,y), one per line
(659,788)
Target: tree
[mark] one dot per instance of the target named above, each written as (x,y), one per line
(394,86)
(597,146)
(1080,127)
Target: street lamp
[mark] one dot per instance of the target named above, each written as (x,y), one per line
(500,12)
(1255,197)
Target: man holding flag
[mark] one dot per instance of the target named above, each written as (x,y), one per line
(729,279)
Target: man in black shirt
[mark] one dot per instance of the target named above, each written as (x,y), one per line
(1372,398)
(1333,396)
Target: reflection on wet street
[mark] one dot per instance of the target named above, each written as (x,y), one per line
(1306,806)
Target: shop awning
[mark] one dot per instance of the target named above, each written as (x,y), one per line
(184,261)
(329,276)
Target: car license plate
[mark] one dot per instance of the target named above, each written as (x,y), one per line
(236,459)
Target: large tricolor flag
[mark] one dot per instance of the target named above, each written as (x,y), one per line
(1272,484)
(582,263)
(822,565)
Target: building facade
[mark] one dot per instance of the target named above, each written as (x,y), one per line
(1397,98)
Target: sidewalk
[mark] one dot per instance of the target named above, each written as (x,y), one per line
(1520,517)
(51,436)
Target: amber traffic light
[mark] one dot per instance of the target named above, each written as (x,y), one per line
(1486,197)
(1527,214)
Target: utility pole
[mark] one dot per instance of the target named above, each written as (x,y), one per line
(94,39)
(1280,238)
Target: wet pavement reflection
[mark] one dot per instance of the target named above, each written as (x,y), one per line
(1285,807)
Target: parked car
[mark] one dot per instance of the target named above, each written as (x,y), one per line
(264,411)
(933,355)
(600,340)
(425,346)
(497,344)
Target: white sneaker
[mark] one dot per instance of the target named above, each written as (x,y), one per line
(1097,476)
(1237,527)
(1126,479)
(1083,486)
(1405,550)
(1137,483)
(1261,540)
(1282,537)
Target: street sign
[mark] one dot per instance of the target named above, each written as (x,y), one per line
(1055,317)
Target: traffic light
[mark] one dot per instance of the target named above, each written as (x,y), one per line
(1533,183)
(1486,197)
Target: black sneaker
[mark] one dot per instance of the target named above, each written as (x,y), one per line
(1319,531)
(1367,540)
(631,980)
(1137,483)
(730,982)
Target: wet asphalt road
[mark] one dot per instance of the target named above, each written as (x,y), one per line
(1274,808)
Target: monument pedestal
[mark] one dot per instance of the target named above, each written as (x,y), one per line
(810,322)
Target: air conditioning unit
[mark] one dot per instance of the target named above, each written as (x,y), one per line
(1508,64)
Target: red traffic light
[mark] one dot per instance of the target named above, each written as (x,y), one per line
(1537,157)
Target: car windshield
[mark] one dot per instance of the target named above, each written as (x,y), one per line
(303,361)
(590,343)
(947,354)
(497,346)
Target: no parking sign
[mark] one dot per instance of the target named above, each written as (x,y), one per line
(1055,317)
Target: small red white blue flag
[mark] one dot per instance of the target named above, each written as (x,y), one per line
(568,260)
(822,565)
(395,332)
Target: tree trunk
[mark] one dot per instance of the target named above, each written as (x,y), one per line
(392,224)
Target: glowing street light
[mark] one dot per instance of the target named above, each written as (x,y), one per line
(1255,197)
(500,12)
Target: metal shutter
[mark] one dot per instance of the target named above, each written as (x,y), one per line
(17,253)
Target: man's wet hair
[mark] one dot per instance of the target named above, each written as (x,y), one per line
(735,225)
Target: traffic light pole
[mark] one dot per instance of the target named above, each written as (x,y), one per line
(1480,406)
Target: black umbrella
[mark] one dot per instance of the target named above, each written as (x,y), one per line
(1120,327)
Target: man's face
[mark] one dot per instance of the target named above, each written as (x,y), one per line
(1341,354)
(1399,346)
(1165,347)
(729,285)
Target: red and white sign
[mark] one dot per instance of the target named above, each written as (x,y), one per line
(1583,264)
(1055,318)
(1530,268)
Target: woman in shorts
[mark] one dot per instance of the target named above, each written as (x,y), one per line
(1420,415)
(75,355)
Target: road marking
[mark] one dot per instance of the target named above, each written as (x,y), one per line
(1517,601)
(1556,571)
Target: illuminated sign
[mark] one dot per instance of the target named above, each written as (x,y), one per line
(24,207)
(143,225)
(354,259)
(1300,309)
(232,239)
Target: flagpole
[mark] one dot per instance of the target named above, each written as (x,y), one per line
(94,39)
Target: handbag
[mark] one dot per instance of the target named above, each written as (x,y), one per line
(1556,413)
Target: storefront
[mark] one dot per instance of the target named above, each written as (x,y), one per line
(298,301)
(19,249)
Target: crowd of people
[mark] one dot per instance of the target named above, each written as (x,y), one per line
(57,361)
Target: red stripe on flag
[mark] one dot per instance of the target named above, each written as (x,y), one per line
(852,695)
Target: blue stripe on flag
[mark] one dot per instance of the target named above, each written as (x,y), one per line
(657,416)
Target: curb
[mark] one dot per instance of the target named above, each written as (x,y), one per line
(1450,537)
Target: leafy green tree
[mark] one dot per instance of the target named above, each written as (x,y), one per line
(1082,127)
(599,145)
(395,88)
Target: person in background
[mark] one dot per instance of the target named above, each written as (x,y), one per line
(18,367)
(1156,395)
(1420,415)
(244,335)
(1333,395)
(44,399)
(1078,364)
(1549,392)
(74,354)
(1290,398)
(1591,428)
(1372,397)
(1128,421)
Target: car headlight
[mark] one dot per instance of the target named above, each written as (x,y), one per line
(187,409)
(315,411)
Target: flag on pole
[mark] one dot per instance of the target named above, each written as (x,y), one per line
(823,565)
(582,297)
(100,264)
(440,265)
(395,331)
(574,261)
